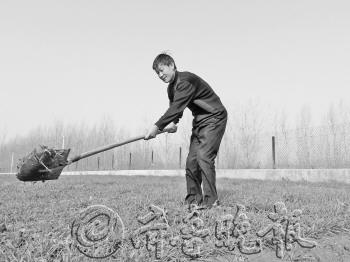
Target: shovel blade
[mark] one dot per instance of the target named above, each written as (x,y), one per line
(42,165)
(40,175)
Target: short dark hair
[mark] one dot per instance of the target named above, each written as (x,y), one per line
(164,59)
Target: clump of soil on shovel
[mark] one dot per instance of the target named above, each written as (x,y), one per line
(42,164)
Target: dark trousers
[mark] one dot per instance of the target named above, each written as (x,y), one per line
(200,163)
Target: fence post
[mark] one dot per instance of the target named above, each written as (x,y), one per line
(113,161)
(166,151)
(180,153)
(98,163)
(152,163)
(11,163)
(130,160)
(273,153)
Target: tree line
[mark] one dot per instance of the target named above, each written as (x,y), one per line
(300,143)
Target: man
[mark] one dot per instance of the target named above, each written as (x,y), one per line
(186,89)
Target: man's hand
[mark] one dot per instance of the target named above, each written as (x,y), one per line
(151,133)
(172,128)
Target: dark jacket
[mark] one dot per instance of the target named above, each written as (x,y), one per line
(189,90)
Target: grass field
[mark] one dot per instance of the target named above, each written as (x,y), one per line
(36,219)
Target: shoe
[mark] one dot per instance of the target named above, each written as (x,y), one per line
(216,203)
(193,205)
(208,206)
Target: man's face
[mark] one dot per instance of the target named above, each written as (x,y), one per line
(166,72)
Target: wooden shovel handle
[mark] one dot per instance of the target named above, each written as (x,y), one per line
(108,147)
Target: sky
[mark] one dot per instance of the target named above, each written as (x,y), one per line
(83,61)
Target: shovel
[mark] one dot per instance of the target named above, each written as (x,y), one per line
(47,164)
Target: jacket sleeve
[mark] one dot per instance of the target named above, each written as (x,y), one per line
(183,95)
(179,115)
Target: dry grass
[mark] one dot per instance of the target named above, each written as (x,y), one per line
(35,219)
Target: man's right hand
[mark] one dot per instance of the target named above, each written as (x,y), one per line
(151,132)
(171,128)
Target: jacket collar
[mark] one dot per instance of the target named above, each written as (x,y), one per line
(173,83)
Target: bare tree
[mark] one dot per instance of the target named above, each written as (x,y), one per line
(303,136)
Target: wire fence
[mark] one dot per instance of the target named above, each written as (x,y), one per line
(300,148)
(314,148)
